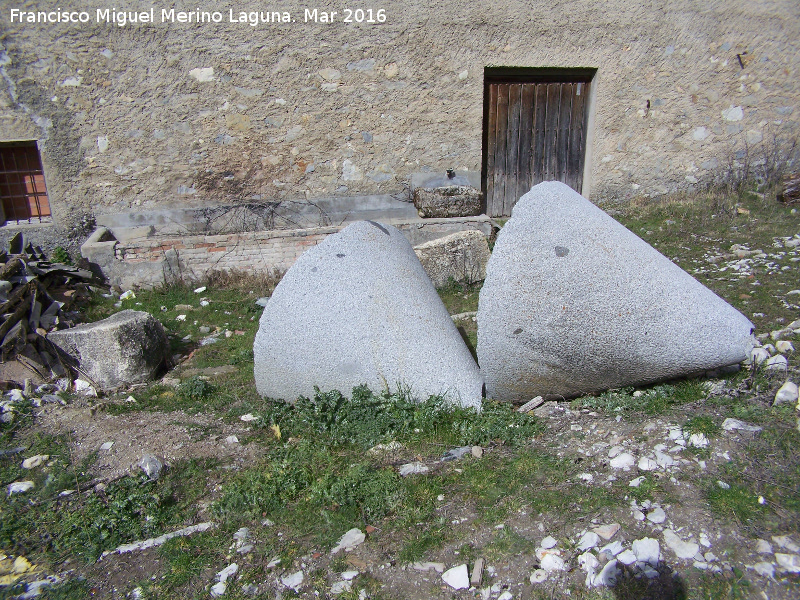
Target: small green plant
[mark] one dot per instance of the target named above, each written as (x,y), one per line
(195,388)
(243,357)
(652,401)
(702,424)
(60,255)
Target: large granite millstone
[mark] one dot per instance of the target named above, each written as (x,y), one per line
(126,348)
(359,309)
(573,303)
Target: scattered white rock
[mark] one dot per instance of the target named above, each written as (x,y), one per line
(646,550)
(735,424)
(763,547)
(698,440)
(350,540)
(765,569)
(757,356)
(548,542)
(19,487)
(623,461)
(341,587)
(588,561)
(615,451)
(538,576)
(785,542)
(428,566)
(505,596)
(612,549)
(413,468)
(657,515)
(158,541)
(627,557)
(587,477)
(293,581)
(787,393)
(784,346)
(151,466)
(636,482)
(678,546)
(457,577)
(608,576)
(551,562)
(218,589)
(476,577)
(704,541)
(777,363)
(607,531)
(588,540)
(664,460)
(723,485)
(647,464)
(788,562)
(248,417)
(106,445)
(34,461)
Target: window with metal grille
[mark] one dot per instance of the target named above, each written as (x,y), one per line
(22,189)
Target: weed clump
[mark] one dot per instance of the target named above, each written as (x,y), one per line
(195,388)
(368,419)
(653,401)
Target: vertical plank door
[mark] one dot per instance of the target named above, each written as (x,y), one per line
(534,132)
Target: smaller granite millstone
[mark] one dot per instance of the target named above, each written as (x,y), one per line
(359,309)
(126,348)
(575,303)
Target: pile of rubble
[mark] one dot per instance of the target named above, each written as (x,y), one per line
(37,297)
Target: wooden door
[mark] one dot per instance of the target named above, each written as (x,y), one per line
(534,131)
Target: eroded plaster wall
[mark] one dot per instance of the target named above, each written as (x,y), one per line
(156,116)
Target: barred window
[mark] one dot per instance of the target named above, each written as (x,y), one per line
(22,188)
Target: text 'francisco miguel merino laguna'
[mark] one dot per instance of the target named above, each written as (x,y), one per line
(122,18)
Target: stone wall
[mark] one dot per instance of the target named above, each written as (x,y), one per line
(164,115)
(137,261)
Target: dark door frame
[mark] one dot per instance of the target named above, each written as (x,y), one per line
(505,74)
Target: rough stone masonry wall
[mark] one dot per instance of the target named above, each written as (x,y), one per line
(152,261)
(162,115)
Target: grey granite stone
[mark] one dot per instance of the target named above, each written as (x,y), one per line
(126,348)
(359,309)
(573,303)
(448,201)
(461,256)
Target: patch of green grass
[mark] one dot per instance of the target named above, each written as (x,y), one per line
(460,298)
(649,489)
(707,586)
(189,557)
(317,492)
(75,589)
(84,524)
(368,419)
(423,539)
(652,401)
(737,502)
(194,389)
(702,424)
(507,543)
